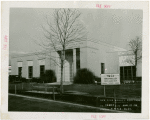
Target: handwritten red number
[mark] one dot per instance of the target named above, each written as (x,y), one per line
(5,38)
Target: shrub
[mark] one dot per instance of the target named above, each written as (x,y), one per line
(10,78)
(98,79)
(48,77)
(84,76)
(35,79)
(23,79)
(13,78)
(28,80)
(42,78)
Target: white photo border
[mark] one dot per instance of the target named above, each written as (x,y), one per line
(143,5)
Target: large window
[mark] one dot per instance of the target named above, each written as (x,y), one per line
(127,72)
(102,68)
(30,71)
(42,70)
(20,71)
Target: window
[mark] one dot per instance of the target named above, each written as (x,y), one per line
(20,71)
(127,72)
(30,71)
(42,70)
(102,68)
(77,58)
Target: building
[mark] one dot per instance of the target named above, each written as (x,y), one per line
(99,57)
(9,70)
(127,68)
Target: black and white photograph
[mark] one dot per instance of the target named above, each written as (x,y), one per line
(71,59)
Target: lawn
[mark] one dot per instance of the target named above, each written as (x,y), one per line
(121,91)
(23,104)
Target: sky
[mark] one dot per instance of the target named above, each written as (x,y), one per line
(112,26)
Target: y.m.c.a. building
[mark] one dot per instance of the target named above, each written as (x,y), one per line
(99,57)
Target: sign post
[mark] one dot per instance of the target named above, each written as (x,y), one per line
(104,91)
(114,99)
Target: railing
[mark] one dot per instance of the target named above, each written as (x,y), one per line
(21,89)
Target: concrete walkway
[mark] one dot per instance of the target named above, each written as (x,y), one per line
(58,83)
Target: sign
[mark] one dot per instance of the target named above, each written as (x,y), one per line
(110,79)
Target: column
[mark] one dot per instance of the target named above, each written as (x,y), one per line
(58,69)
(74,61)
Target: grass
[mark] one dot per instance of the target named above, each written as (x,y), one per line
(126,91)
(33,105)
(121,91)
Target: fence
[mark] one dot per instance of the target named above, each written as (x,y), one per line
(44,89)
(33,89)
(51,92)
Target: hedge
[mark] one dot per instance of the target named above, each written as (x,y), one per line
(84,76)
(48,77)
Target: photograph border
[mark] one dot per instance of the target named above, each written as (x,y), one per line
(76,4)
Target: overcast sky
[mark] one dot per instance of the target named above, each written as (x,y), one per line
(113,26)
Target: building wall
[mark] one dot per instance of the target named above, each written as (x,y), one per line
(36,66)
(83,57)
(91,56)
(123,62)
(101,53)
(102,56)
(93,60)
(109,57)
(139,69)
(14,67)
(112,63)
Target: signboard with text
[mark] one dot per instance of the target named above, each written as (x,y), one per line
(110,79)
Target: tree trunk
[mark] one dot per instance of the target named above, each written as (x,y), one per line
(62,66)
(135,72)
(61,86)
(135,65)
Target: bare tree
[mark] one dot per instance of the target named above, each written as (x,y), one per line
(135,50)
(65,29)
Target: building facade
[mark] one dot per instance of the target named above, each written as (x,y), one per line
(98,57)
